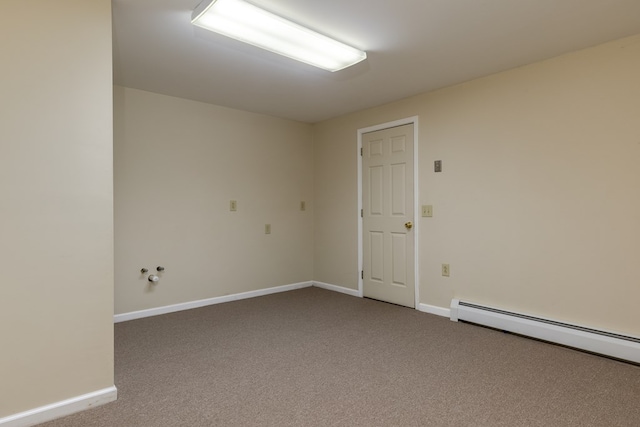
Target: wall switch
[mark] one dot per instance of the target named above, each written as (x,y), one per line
(233,206)
(445,270)
(427,210)
(437,166)
(267,229)
(303,205)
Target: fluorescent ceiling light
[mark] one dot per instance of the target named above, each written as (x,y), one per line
(250,24)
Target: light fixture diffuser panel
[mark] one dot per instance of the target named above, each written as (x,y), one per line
(250,24)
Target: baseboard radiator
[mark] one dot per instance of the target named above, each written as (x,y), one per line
(592,340)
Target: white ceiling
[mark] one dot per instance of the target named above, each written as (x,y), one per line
(413,46)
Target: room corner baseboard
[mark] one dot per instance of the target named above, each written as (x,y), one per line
(432,309)
(335,288)
(205,302)
(60,409)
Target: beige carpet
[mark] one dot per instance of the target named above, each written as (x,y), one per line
(317,358)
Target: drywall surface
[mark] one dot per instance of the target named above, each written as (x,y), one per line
(537,208)
(56,209)
(178,165)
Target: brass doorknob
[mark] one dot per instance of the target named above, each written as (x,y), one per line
(408,225)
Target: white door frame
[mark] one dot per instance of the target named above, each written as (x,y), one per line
(416,209)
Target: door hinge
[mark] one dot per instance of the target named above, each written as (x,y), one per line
(361,151)
(362,274)
(361,213)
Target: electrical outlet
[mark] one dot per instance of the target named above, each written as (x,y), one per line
(267,229)
(427,211)
(233,206)
(437,166)
(303,205)
(445,270)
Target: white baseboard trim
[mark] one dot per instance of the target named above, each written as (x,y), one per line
(60,409)
(335,288)
(433,309)
(205,302)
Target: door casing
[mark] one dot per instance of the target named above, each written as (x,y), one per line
(416,208)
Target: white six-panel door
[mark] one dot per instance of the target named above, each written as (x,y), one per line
(387,201)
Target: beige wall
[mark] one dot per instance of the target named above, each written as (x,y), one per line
(56,209)
(178,163)
(538,205)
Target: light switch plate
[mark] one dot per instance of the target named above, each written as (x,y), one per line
(233,206)
(303,205)
(445,270)
(267,229)
(427,211)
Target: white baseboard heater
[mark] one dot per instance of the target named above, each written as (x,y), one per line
(606,343)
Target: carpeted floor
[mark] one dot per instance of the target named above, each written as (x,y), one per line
(312,357)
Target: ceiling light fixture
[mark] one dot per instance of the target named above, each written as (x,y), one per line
(250,24)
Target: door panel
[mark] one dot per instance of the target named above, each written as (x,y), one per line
(377,256)
(376,190)
(387,178)
(399,256)
(398,190)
